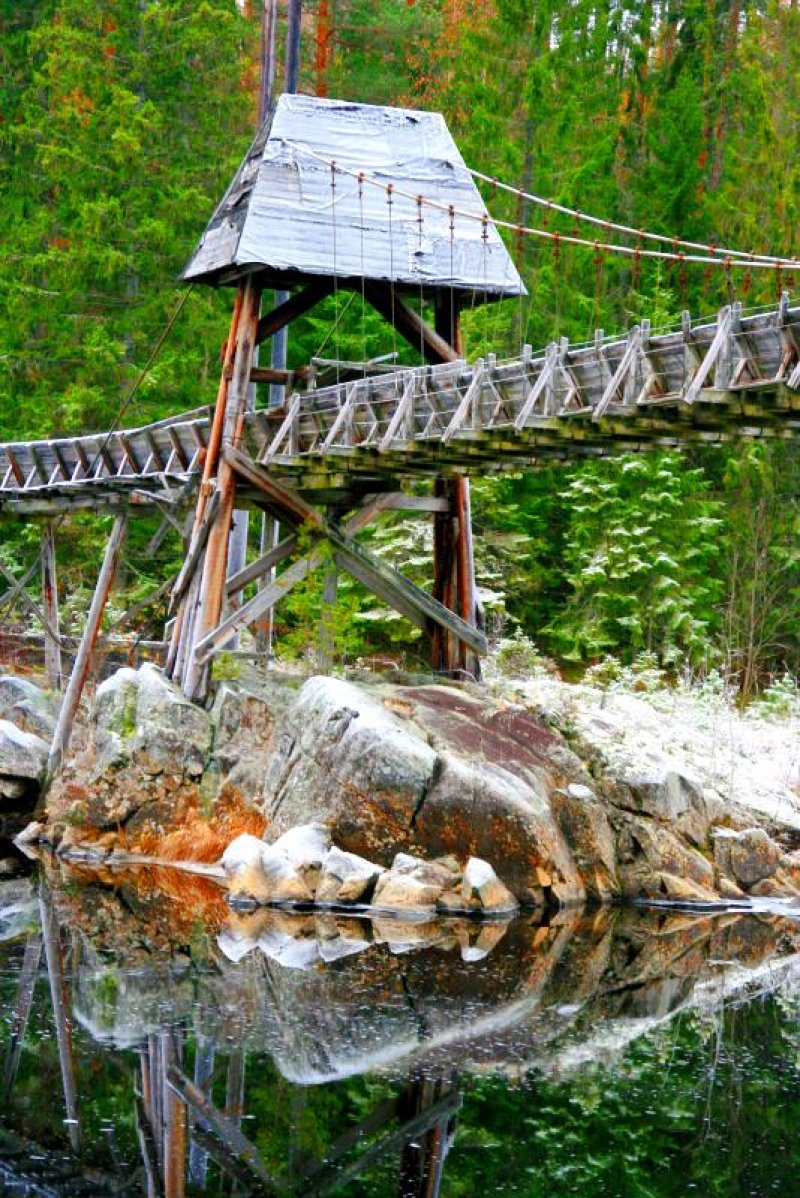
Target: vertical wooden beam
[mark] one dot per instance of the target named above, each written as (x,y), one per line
(454,565)
(181,637)
(327,616)
(83,661)
(52,644)
(212,586)
(175,1120)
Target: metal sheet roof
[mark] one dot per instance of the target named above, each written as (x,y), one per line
(281,212)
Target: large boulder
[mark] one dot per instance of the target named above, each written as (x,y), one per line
(244,738)
(748,857)
(428,770)
(143,719)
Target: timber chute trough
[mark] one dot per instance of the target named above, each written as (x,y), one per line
(302,215)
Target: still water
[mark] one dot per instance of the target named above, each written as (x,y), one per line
(153,1043)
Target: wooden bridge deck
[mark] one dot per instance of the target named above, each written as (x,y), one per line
(707,382)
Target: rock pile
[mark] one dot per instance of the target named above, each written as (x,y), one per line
(303,867)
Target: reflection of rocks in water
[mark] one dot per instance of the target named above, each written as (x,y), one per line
(19,909)
(329,997)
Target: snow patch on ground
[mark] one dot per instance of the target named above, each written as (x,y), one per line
(750,760)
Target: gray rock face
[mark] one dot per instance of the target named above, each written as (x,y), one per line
(141,717)
(342,755)
(587,830)
(244,738)
(22,690)
(23,756)
(420,771)
(747,857)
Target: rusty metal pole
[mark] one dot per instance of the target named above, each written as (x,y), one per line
(83,661)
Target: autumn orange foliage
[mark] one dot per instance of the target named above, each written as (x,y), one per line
(197,838)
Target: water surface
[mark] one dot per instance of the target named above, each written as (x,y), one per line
(154,1043)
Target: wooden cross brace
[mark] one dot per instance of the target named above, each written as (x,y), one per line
(387,583)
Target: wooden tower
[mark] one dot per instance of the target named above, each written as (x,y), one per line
(335,196)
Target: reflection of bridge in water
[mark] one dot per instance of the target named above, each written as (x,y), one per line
(419,1005)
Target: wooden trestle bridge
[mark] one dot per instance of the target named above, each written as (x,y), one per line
(329,459)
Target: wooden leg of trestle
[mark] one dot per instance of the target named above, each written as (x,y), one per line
(52,643)
(83,661)
(444,644)
(465,572)
(327,617)
(212,586)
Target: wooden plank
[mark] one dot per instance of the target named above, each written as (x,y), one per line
(20,1012)
(297,305)
(403,417)
(468,404)
(627,360)
(262,565)
(195,553)
(225,1128)
(393,308)
(51,935)
(712,354)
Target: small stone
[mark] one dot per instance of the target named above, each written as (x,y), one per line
(444,871)
(30,834)
(12,788)
(250,882)
(32,717)
(346,878)
(728,889)
(283,879)
(401,892)
(245,850)
(306,847)
(577,790)
(483,888)
(683,890)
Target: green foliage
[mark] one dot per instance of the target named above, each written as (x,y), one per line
(642,557)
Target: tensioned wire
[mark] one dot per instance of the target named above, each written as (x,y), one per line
(731,259)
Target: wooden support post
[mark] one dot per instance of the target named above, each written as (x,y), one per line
(83,661)
(212,586)
(52,644)
(327,617)
(175,1120)
(454,564)
(51,934)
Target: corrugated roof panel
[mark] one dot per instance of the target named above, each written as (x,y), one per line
(282,213)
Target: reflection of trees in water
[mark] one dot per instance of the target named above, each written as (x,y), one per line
(552,993)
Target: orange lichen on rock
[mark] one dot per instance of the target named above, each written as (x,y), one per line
(194,837)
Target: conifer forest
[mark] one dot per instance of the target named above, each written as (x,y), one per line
(122,123)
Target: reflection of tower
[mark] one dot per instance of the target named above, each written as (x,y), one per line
(429,1105)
